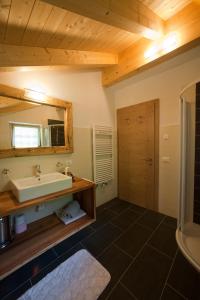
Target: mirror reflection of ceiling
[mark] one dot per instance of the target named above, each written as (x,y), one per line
(8,105)
(49,121)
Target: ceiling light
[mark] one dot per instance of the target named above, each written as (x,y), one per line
(152,34)
(152,52)
(170,42)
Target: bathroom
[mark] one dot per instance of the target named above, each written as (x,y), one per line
(93,104)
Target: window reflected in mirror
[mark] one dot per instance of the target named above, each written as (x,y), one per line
(30,125)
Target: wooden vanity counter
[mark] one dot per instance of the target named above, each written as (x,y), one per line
(46,232)
(9,204)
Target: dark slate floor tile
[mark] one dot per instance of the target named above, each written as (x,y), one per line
(146,277)
(29,270)
(164,240)
(184,278)
(107,204)
(170,294)
(73,240)
(133,239)
(138,209)
(101,239)
(55,263)
(103,218)
(151,219)
(69,253)
(100,209)
(116,262)
(125,219)
(18,292)
(118,206)
(44,272)
(120,293)
(171,222)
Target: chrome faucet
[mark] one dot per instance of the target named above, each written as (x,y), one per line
(38,171)
(5,171)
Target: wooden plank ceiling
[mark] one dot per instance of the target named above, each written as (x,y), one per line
(111,34)
(36,23)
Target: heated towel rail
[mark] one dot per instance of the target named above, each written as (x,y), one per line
(102,154)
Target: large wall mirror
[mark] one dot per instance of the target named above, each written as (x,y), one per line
(32,123)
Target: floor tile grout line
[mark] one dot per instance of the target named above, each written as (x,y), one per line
(159,251)
(168,274)
(106,248)
(134,259)
(48,265)
(116,226)
(128,290)
(10,293)
(128,208)
(54,251)
(135,221)
(147,227)
(171,287)
(116,213)
(169,226)
(123,251)
(119,236)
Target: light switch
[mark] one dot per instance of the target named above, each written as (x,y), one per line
(165,136)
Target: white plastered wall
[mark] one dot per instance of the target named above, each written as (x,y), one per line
(165,81)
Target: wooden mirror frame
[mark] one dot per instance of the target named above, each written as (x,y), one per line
(20,94)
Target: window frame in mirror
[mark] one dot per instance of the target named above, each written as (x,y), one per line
(20,94)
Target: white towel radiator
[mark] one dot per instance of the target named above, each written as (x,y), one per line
(102,154)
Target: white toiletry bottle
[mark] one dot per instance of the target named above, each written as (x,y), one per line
(66,170)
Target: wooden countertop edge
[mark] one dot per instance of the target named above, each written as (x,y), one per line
(12,205)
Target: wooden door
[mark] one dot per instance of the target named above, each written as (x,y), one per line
(138,130)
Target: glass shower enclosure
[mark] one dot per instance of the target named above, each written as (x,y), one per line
(188,229)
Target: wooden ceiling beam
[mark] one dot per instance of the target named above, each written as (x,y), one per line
(130,15)
(182,33)
(14,56)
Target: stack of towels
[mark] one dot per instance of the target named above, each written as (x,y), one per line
(70,212)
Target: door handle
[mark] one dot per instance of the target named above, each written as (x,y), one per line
(148,159)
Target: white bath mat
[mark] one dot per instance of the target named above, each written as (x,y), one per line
(80,277)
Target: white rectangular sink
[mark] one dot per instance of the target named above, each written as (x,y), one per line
(32,187)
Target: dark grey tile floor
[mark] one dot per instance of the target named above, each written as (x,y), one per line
(135,245)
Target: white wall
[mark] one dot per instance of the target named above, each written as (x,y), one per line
(90,105)
(165,82)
